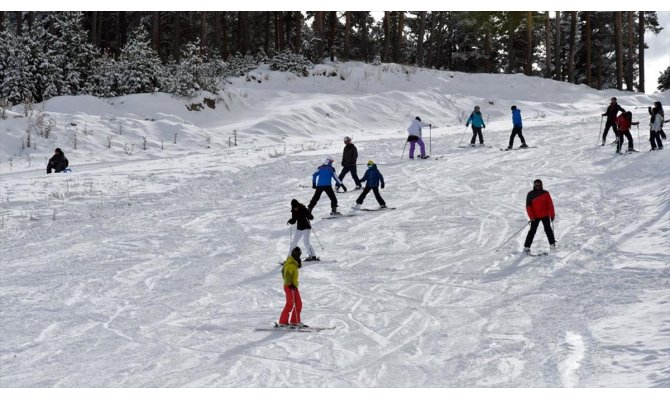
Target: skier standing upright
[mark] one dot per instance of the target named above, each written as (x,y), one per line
(623,123)
(349,158)
(611,113)
(372,178)
(516,130)
(414,137)
(321,181)
(301,215)
(290,272)
(477,125)
(540,208)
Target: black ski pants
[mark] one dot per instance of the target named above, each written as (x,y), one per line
(609,124)
(477,132)
(375,190)
(317,195)
(546,221)
(655,140)
(516,131)
(352,169)
(620,135)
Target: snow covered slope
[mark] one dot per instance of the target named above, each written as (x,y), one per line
(151,268)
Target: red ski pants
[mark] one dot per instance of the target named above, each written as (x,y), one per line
(293,306)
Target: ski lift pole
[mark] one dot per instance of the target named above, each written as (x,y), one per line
(516,233)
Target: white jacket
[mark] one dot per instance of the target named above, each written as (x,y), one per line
(415,127)
(657,123)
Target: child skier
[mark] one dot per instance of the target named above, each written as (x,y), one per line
(293,307)
(516,130)
(539,207)
(301,215)
(623,123)
(372,178)
(57,162)
(414,137)
(321,181)
(477,125)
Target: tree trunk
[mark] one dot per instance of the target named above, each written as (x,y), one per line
(318,35)
(364,36)
(618,49)
(156,30)
(298,32)
(216,40)
(419,44)
(529,40)
(266,32)
(573,41)
(332,31)
(121,30)
(279,26)
(19,21)
(204,45)
(244,34)
(557,48)
(587,29)
(631,51)
(2,21)
(547,35)
(640,50)
(176,36)
(347,34)
(93,36)
(387,36)
(510,47)
(397,53)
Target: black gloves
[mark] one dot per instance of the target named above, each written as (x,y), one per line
(552,219)
(466,125)
(343,187)
(483,126)
(313,185)
(382,186)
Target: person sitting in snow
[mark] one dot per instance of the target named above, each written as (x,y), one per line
(477,125)
(623,123)
(516,130)
(414,137)
(540,208)
(301,215)
(289,272)
(349,158)
(321,181)
(57,162)
(372,178)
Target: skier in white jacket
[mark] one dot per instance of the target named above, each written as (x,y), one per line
(414,137)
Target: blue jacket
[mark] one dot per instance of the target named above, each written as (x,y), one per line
(476,119)
(324,175)
(373,177)
(516,118)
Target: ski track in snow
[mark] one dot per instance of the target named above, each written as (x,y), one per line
(163,268)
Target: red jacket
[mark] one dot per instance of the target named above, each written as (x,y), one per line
(539,205)
(622,123)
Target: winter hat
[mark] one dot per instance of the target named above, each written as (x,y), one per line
(58,150)
(294,203)
(328,161)
(418,119)
(476,107)
(370,163)
(296,252)
(347,139)
(537,181)
(513,108)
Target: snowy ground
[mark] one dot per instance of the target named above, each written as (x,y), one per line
(152,269)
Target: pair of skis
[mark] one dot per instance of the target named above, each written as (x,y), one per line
(277,328)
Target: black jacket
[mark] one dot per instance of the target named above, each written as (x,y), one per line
(349,155)
(302,216)
(612,111)
(58,162)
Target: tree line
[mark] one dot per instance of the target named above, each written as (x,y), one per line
(600,49)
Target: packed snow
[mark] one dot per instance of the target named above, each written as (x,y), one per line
(153,267)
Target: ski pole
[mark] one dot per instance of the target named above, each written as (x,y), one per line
(510,238)
(430,140)
(599,130)
(463,135)
(403,150)
(317,239)
(290,237)
(638,137)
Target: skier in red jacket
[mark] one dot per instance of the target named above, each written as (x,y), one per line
(540,208)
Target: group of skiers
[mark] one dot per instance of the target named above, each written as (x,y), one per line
(621,124)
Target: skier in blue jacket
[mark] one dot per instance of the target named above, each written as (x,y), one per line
(516,130)
(321,181)
(477,125)
(372,179)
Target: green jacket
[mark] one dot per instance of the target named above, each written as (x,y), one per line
(290,272)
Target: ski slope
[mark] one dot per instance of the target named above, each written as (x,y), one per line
(153,269)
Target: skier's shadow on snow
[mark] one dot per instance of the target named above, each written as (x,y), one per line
(502,273)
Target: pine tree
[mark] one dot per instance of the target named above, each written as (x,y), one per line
(140,69)
(72,51)
(664,80)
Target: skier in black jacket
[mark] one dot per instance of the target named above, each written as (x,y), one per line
(611,113)
(349,157)
(301,215)
(57,162)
